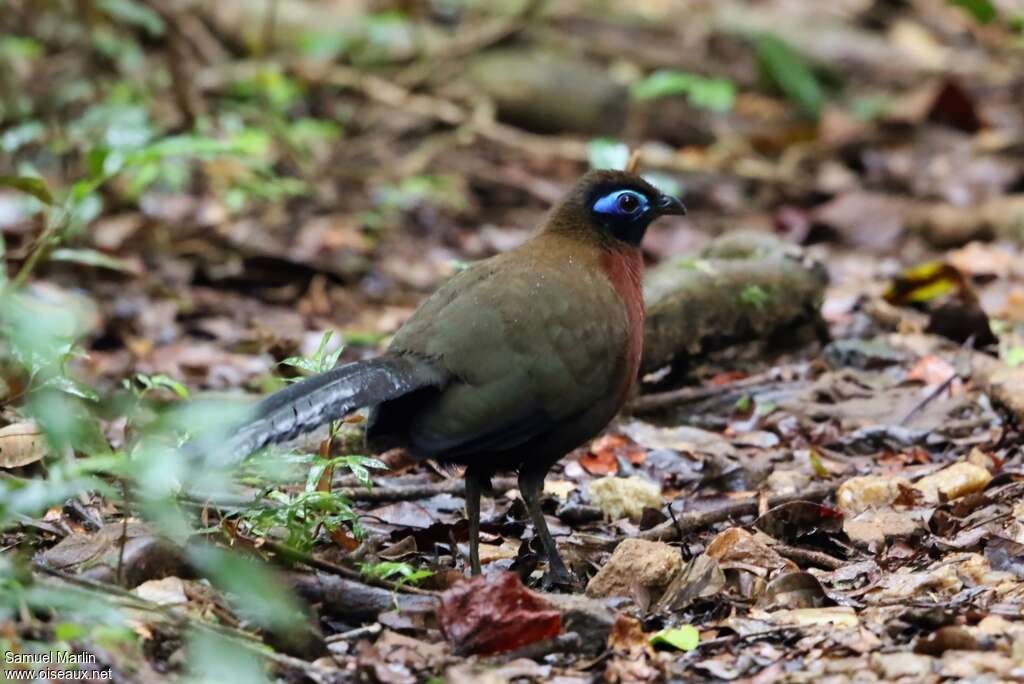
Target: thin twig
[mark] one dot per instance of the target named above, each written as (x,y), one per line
(932,396)
(350,573)
(119,574)
(673,530)
(455,487)
(379,494)
(809,557)
(269,27)
(687,395)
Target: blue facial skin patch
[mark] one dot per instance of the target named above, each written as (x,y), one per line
(622,203)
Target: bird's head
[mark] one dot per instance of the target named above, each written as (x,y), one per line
(618,205)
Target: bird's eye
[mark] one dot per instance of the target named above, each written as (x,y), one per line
(628,203)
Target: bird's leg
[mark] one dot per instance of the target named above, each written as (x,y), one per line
(531,485)
(474,486)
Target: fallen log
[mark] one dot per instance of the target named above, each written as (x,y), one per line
(743,286)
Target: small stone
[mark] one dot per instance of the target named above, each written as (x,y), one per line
(627,497)
(840,617)
(784,482)
(895,665)
(871,491)
(959,479)
(977,666)
(875,527)
(636,564)
(165,592)
(590,618)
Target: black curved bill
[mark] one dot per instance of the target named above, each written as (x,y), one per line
(669,205)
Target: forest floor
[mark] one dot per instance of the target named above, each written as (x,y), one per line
(201,203)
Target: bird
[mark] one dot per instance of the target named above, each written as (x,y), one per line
(510,365)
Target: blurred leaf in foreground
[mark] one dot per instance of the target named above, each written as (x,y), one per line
(214,659)
(30,185)
(256,591)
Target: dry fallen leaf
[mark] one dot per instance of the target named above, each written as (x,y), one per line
(21,444)
(628,637)
(494,613)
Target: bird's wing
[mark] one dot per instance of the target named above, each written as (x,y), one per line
(527,348)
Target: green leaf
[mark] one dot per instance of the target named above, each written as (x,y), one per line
(715,94)
(150,382)
(73,387)
(662,83)
(391,570)
(134,13)
(67,631)
(790,72)
(685,638)
(321,361)
(983,11)
(30,185)
(606,153)
(301,363)
(1015,357)
(90,257)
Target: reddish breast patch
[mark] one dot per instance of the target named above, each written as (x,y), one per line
(624,270)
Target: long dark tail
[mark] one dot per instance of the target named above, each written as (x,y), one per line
(315,401)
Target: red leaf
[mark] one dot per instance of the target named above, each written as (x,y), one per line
(604,453)
(727,378)
(600,463)
(494,613)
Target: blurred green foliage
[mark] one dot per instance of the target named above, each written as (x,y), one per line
(606,153)
(983,11)
(401,573)
(790,71)
(715,94)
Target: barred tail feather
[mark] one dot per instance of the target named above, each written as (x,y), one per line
(313,402)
